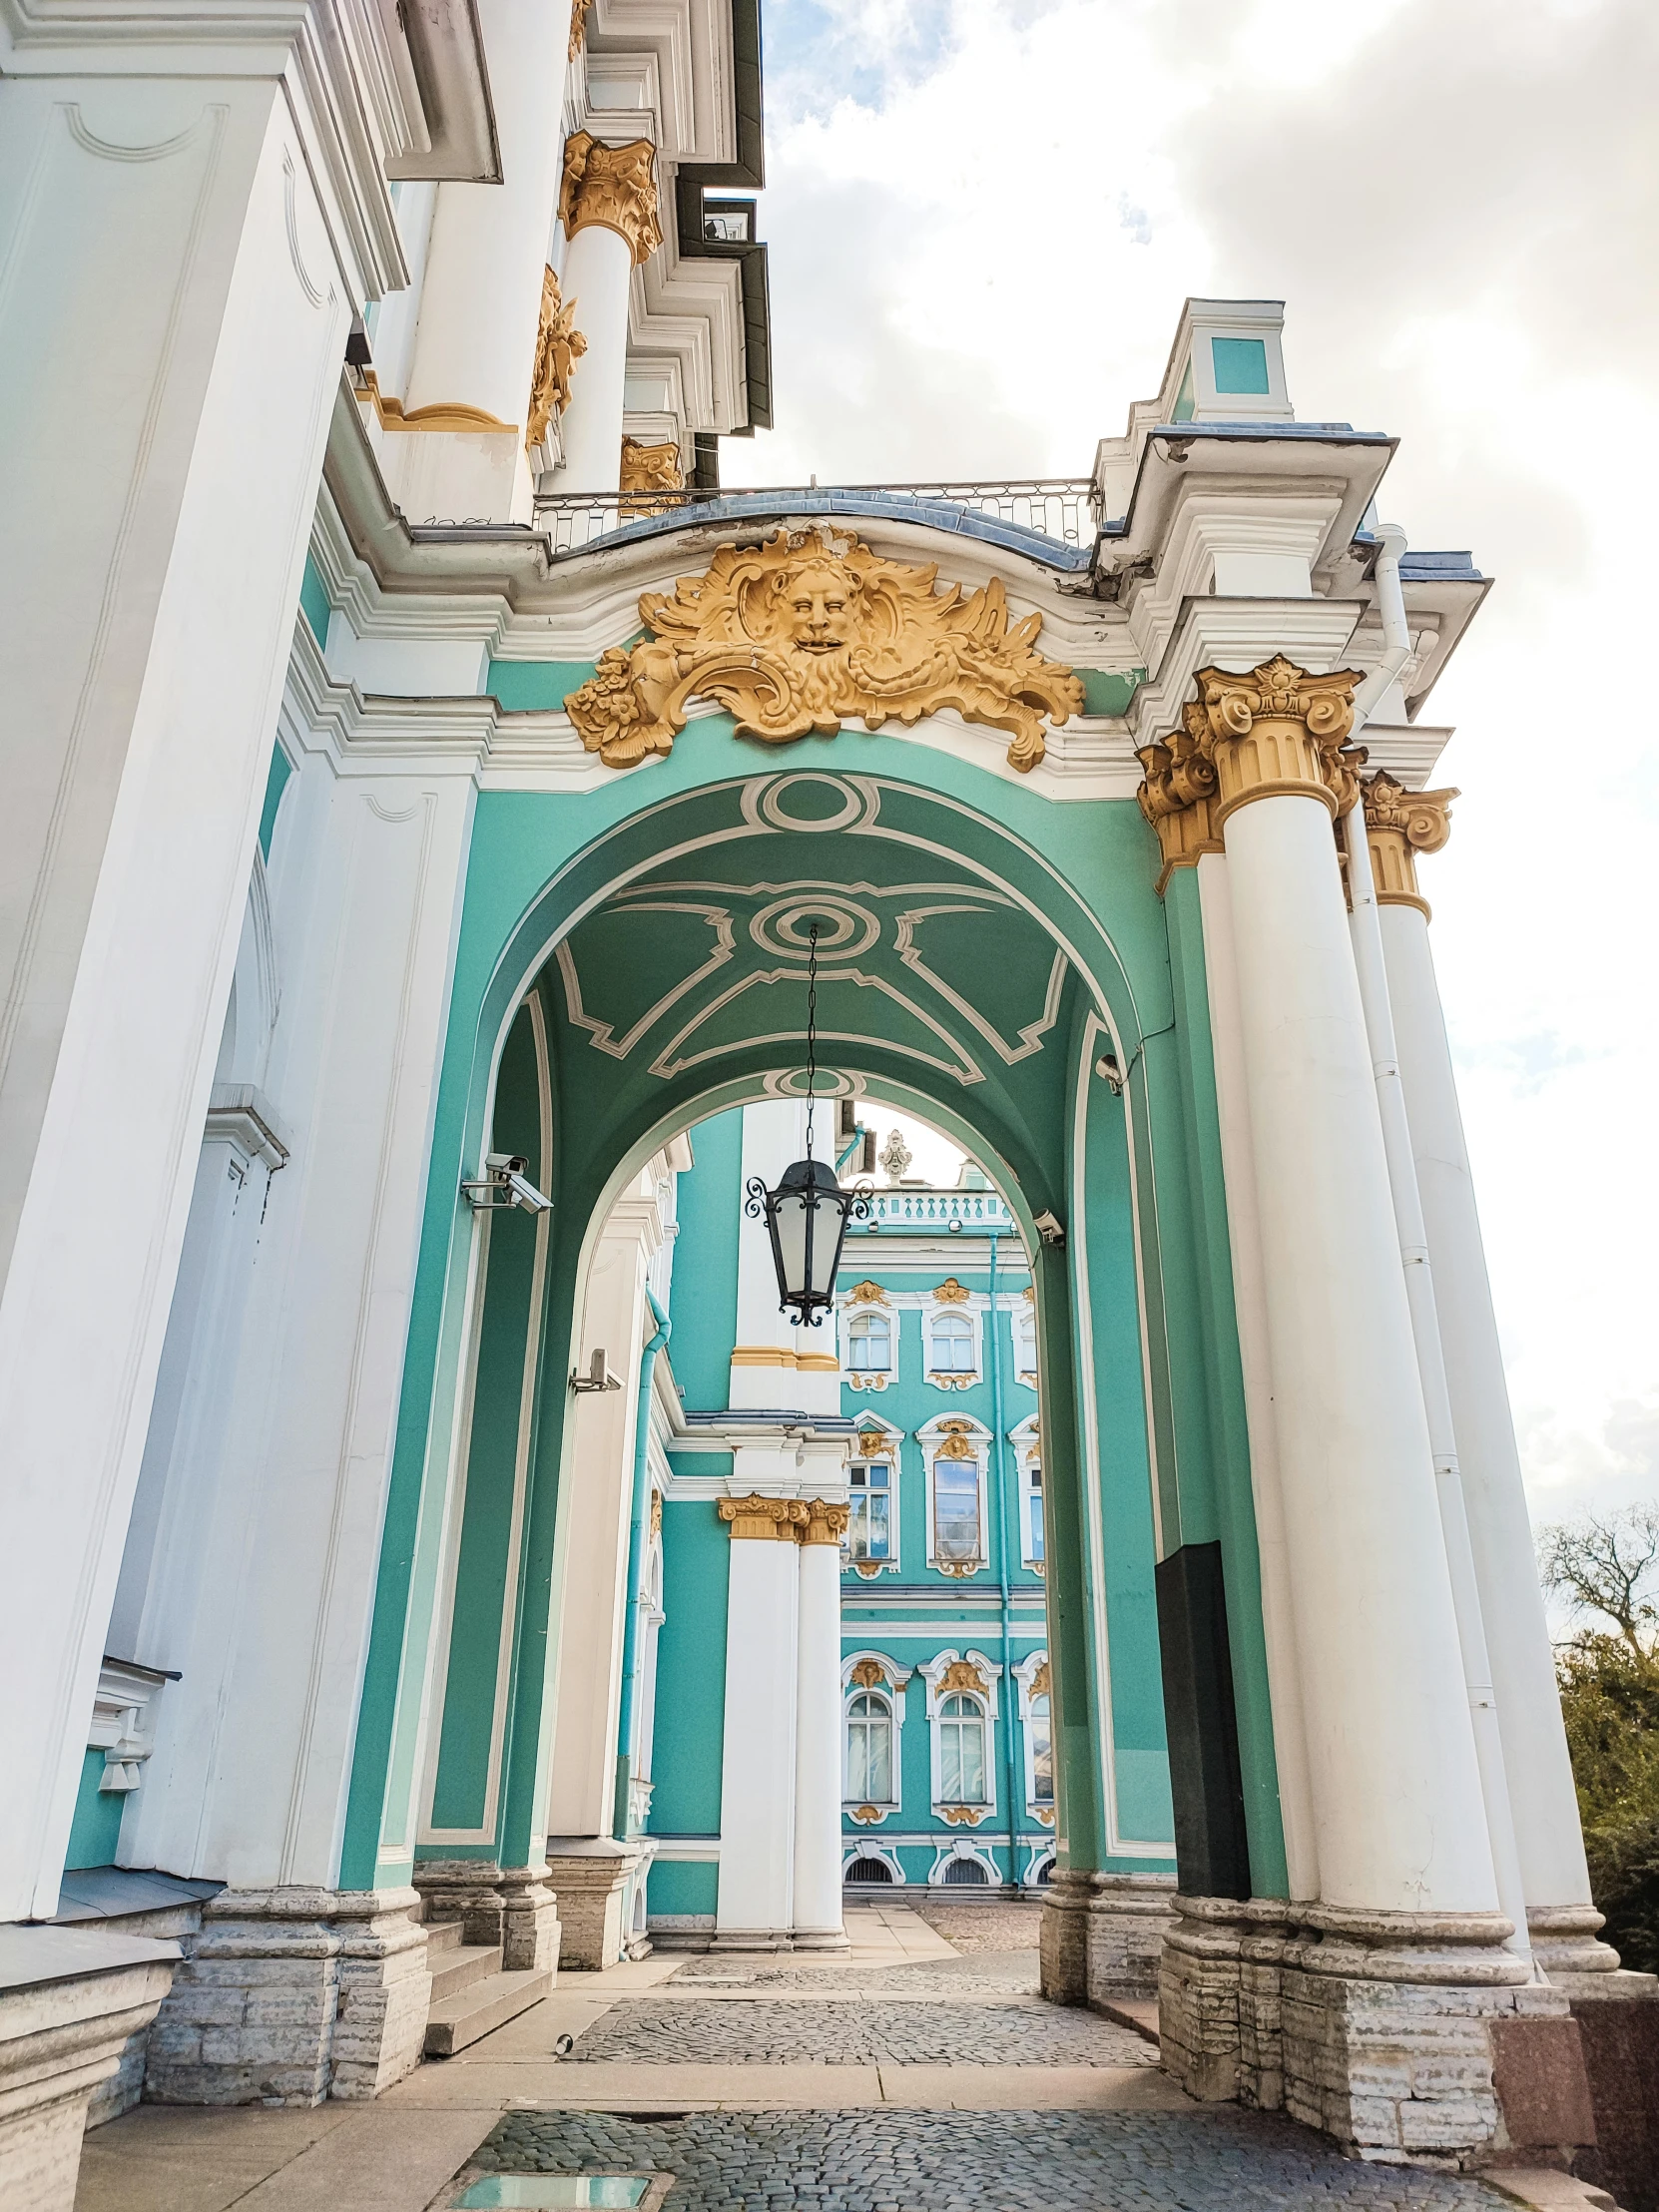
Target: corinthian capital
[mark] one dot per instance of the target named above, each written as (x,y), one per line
(614,186)
(1176,793)
(1279,731)
(826,1522)
(1399,825)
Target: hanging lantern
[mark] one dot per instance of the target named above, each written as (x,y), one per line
(807,1214)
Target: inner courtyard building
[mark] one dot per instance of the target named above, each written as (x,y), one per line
(462,860)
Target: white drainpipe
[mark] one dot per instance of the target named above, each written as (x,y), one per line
(1419,1280)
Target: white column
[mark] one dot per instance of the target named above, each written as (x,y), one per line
(480,303)
(598,271)
(1545,1807)
(590,1571)
(167,414)
(817,1746)
(1243,1230)
(1391,1762)
(755,1907)
(764,1359)
(608,202)
(274,1582)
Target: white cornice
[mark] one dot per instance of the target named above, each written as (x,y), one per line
(341,84)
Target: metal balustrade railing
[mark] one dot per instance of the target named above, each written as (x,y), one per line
(1058,507)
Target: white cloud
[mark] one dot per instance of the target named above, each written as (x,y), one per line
(983,219)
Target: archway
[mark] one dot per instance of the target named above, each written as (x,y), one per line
(992,961)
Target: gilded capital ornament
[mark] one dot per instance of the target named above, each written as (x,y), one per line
(647,469)
(1279,731)
(614,186)
(1399,825)
(811,630)
(559,347)
(826,1522)
(762,1519)
(1176,791)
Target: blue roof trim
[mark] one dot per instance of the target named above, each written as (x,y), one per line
(1436,567)
(935,514)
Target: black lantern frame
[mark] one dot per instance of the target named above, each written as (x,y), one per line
(807,1214)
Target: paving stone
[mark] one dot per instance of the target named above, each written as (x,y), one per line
(987,1973)
(863,2161)
(850,2034)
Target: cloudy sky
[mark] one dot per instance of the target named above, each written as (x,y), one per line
(984,216)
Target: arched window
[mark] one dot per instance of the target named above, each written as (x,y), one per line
(868,1750)
(1042,1751)
(869,1525)
(961,1724)
(870,1344)
(867,1870)
(966,1872)
(951,1349)
(956,1510)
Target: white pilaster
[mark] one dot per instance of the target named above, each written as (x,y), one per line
(817,1747)
(1539,1773)
(153,523)
(1397,1795)
(591,1569)
(480,305)
(755,1900)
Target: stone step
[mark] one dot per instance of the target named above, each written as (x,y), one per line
(460,1968)
(460,2021)
(442,1936)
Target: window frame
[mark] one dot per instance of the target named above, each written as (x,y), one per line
(933,1440)
(937,1674)
(866,1673)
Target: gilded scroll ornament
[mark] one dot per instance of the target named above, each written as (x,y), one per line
(580,10)
(614,186)
(1041,1681)
(559,347)
(1399,825)
(647,469)
(869,1674)
(761,1517)
(951,1293)
(826,1522)
(806,632)
(953,1441)
(962,1816)
(868,1816)
(866,1293)
(961,1674)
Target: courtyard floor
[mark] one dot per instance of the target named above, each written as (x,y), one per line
(919,2072)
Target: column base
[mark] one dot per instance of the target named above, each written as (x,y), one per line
(293,1995)
(1403,2037)
(69,2003)
(598,1880)
(1129,1914)
(820,1939)
(509,1906)
(1565,1944)
(1063,1938)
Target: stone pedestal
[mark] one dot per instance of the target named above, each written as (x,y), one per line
(1063,1938)
(1129,1915)
(294,1994)
(597,1878)
(69,2002)
(511,1906)
(1403,2037)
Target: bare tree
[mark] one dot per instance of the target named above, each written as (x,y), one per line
(1606,1564)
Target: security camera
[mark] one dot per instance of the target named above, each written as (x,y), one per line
(1051,1231)
(599,1375)
(504,1183)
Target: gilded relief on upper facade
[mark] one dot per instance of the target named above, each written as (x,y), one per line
(559,347)
(808,631)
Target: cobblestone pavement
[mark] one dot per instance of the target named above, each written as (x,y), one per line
(1221,2160)
(882,2032)
(986,1973)
(998,1925)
